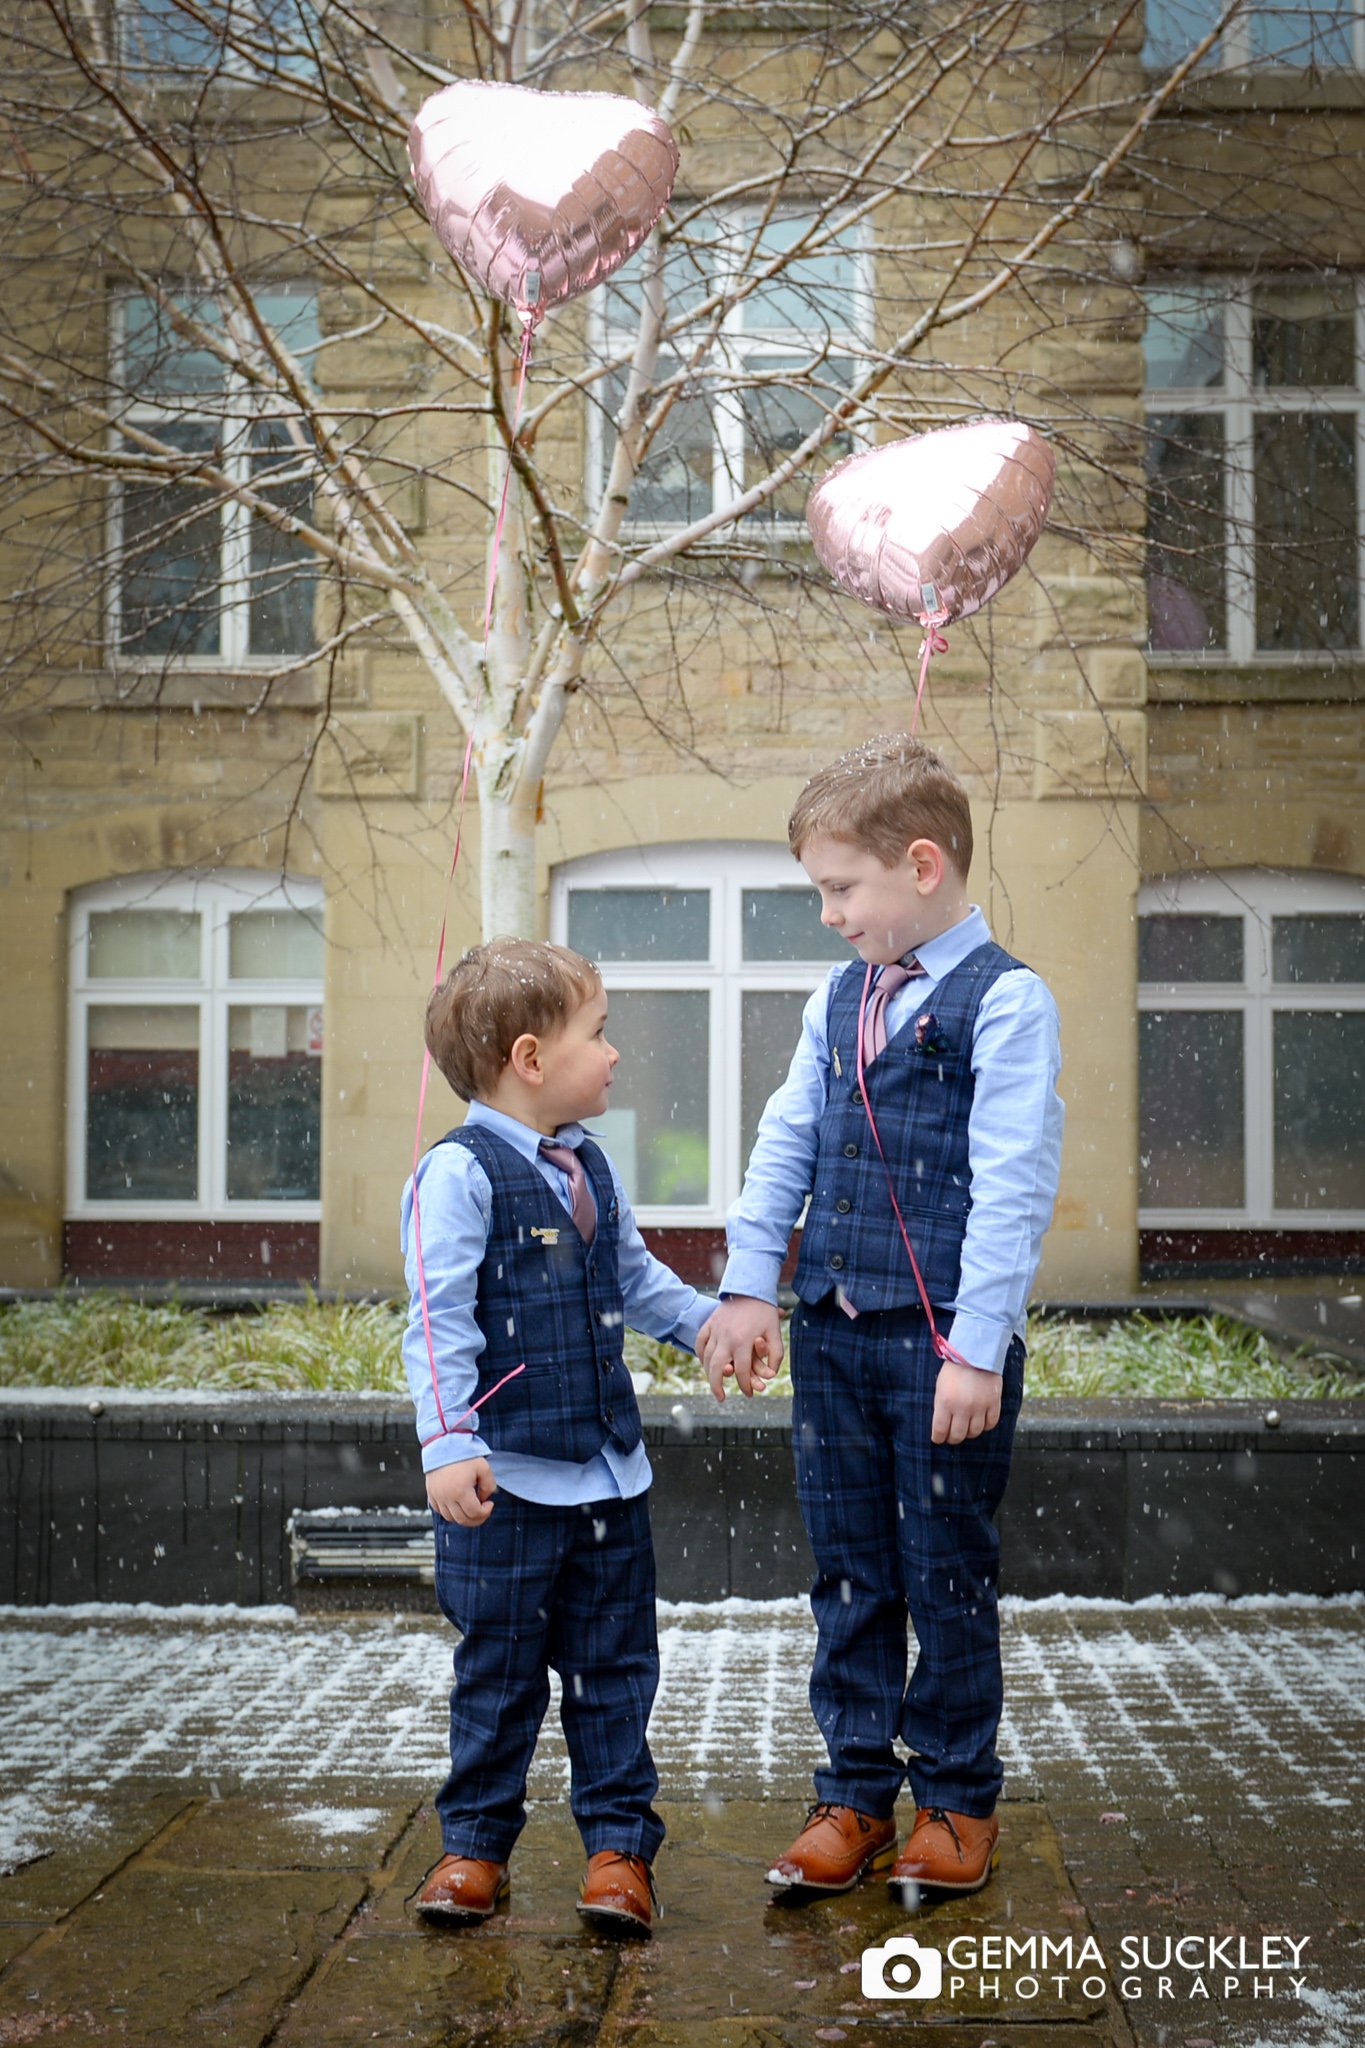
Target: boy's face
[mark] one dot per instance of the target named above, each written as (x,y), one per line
(883,912)
(578,1062)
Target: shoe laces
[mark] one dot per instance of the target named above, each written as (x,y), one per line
(941,1815)
(826,1809)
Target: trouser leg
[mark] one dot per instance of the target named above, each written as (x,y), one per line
(604,1645)
(496,1584)
(844,1477)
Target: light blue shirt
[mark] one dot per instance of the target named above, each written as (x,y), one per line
(1014,1140)
(456,1201)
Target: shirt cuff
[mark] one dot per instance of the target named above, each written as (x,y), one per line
(684,1331)
(452,1449)
(755,1273)
(981,1342)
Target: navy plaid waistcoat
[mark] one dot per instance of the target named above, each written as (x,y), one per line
(921,1089)
(549,1300)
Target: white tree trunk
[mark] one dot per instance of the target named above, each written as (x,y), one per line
(507,836)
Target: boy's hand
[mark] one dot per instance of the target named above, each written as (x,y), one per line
(741,1341)
(463,1493)
(966,1403)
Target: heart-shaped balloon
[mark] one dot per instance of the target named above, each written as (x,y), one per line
(931,527)
(540,195)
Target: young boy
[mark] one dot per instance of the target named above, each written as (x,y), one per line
(530,1258)
(902,1451)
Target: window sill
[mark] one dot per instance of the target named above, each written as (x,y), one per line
(1254,90)
(1289,679)
(189,687)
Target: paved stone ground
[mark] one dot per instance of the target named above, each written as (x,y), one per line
(213,1819)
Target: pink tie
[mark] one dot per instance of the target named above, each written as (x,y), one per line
(583,1208)
(889,979)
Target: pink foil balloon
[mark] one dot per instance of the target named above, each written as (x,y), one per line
(540,195)
(937,524)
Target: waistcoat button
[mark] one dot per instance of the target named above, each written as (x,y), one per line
(837,1263)
(843,1205)
(856,1096)
(850,1151)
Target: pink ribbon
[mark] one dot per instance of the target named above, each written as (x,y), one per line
(943,1350)
(934,643)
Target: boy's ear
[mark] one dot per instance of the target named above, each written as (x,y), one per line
(926,858)
(524,1059)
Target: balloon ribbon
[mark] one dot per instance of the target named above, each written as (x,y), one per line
(943,1350)
(530,322)
(934,643)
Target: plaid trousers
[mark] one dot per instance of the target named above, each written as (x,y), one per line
(533,1589)
(899,1526)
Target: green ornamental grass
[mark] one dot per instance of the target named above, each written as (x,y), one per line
(312,1346)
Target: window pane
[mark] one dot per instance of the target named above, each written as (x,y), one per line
(1319,1110)
(1186,533)
(164,35)
(1323,947)
(142,1104)
(813,295)
(1303,334)
(159,359)
(688,277)
(674,484)
(275,945)
(144,945)
(172,559)
(663,1086)
(1312,34)
(1183,338)
(640,924)
(274,1103)
(283,568)
(1307,594)
(1190,1109)
(784,924)
(1190,948)
(1175,26)
(770,1027)
(777,419)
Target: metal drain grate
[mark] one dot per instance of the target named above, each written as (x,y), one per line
(389,1545)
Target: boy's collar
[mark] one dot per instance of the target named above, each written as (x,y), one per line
(938,956)
(525,1137)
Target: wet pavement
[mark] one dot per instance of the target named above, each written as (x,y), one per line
(215,1819)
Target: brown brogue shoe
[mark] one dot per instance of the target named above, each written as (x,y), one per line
(618,1895)
(461,1889)
(836,1847)
(946,1852)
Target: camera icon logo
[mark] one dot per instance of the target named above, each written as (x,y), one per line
(902,1969)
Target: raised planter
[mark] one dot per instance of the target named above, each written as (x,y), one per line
(173,1498)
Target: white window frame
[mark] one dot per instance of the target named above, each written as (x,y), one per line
(1255,896)
(1239,400)
(235,70)
(211,995)
(1233,52)
(726,869)
(733,347)
(234,412)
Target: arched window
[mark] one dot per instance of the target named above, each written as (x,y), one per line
(195,1075)
(1252,1051)
(708,954)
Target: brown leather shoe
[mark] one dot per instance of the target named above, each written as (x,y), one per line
(618,1895)
(462,1889)
(946,1852)
(834,1849)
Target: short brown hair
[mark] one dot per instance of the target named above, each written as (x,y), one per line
(494,994)
(882,795)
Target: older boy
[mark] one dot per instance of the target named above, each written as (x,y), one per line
(902,1450)
(530,1258)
